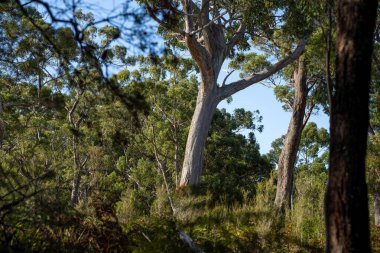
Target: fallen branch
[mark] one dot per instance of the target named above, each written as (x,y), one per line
(187,239)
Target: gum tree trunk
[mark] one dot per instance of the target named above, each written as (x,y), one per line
(200,124)
(346,202)
(289,152)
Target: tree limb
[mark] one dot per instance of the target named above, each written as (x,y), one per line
(227,76)
(234,87)
(237,36)
(187,239)
(307,117)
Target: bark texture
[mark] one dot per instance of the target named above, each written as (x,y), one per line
(346,202)
(293,137)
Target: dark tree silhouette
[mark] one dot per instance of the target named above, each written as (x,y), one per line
(347,221)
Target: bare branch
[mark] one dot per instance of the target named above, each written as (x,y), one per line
(71,111)
(227,76)
(307,117)
(84,162)
(189,241)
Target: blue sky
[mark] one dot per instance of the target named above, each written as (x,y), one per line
(275,119)
(255,97)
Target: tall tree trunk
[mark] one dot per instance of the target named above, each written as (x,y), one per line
(329,5)
(2,124)
(346,202)
(200,124)
(75,188)
(77,173)
(377,209)
(289,152)
(176,155)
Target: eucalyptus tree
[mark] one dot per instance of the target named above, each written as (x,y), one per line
(306,83)
(306,88)
(288,155)
(304,95)
(347,221)
(311,157)
(213,31)
(313,148)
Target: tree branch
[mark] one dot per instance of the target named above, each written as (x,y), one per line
(234,87)
(187,7)
(307,117)
(227,76)
(238,34)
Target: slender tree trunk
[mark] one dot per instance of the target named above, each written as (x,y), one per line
(75,189)
(377,209)
(289,152)
(176,158)
(200,124)
(2,125)
(346,202)
(77,173)
(328,54)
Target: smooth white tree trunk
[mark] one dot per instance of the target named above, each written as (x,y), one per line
(200,124)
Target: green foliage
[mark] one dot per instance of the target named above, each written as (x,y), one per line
(249,63)
(312,154)
(306,217)
(313,148)
(233,163)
